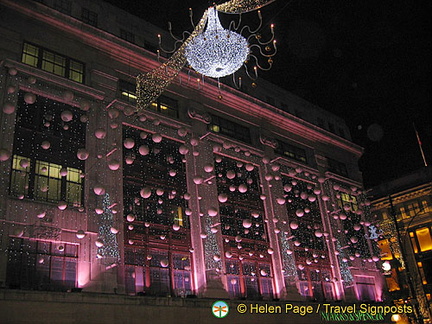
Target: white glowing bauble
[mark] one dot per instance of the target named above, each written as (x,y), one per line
(172,172)
(228,254)
(99,243)
(317,191)
(66,116)
(4,154)
(208,168)
(176,227)
(24,163)
(198,180)
(249,167)
(183,150)
(270,251)
(82,154)
(280,201)
(217,52)
(375,258)
(114,164)
(159,191)
(342,216)
(294,225)
(318,234)
(80,234)
(312,198)
(242,188)
(63,172)
(222,197)
(41,215)
(100,133)
(145,193)
(129,143)
(62,205)
(247,223)
(45,145)
(99,190)
(233,281)
(354,239)
(187,196)
(325,198)
(357,227)
(263,272)
(30,98)
(297,243)
(386,266)
(99,211)
(230,174)
(114,230)
(130,217)
(300,212)
(203,235)
(268,177)
(157,138)
(182,132)
(216,257)
(217,148)
(212,211)
(188,211)
(238,238)
(263,197)
(8,108)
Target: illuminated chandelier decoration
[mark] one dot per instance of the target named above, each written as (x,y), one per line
(215,52)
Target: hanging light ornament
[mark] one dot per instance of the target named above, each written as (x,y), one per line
(217,52)
(150,85)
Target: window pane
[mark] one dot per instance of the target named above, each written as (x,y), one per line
(424,238)
(30,55)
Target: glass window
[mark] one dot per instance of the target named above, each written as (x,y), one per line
(64,6)
(128,91)
(291,151)
(89,17)
(165,106)
(337,167)
(424,239)
(230,128)
(127,36)
(30,55)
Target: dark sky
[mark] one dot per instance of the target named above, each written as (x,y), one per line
(367,61)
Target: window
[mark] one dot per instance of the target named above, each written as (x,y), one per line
(291,151)
(64,6)
(128,91)
(320,122)
(341,132)
(331,127)
(44,164)
(337,167)
(165,106)
(270,100)
(89,17)
(424,239)
(127,36)
(52,62)
(41,265)
(230,128)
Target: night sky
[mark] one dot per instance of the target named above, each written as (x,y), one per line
(368,62)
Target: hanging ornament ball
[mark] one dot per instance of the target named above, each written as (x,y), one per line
(172,172)
(113,113)
(182,132)
(289,252)
(294,225)
(30,98)
(129,143)
(233,281)
(249,167)
(375,258)
(11,89)
(183,149)
(216,257)
(41,215)
(342,216)
(198,179)
(208,168)
(354,239)
(212,211)
(99,243)
(62,205)
(270,251)
(318,233)
(157,138)
(312,198)
(4,154)
(24,163)
(145,192)
(45,145)
(300,212)
(128,111)
(230,174)
(247,223)
(80,234)
(194,141)
(159,191)
(66,116)
(8,108)
(243,188)
(100,133)
(325,198)
(357,227)
(114,230)
(99,190)
(82,154)
(113,164)
(68,95)
(263,272)
(280,201)
(176,227)
(187,196)
(217,148)
(228,254)
(238,238)
(222,197)
(130,218)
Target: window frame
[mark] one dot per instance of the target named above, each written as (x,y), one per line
(69,70)
(227,127)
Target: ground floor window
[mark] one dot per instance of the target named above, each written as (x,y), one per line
(41,265)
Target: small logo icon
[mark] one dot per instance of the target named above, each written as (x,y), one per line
(220,309)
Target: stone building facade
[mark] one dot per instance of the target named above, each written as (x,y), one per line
(210,192)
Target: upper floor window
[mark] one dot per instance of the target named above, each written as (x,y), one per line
(127,36)
(337,167)
(341,132)
(52,62)
(128,91)
(166,106)
(230,128)
(47,137)
(291,151)
(89,17)
(64,6)
(331,128)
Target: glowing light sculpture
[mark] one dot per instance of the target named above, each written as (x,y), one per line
(150,85)
(217,52)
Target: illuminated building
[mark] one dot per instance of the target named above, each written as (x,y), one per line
(406,203)
(210,192)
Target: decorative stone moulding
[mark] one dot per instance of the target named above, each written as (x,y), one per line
(198,115)
(268,141)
